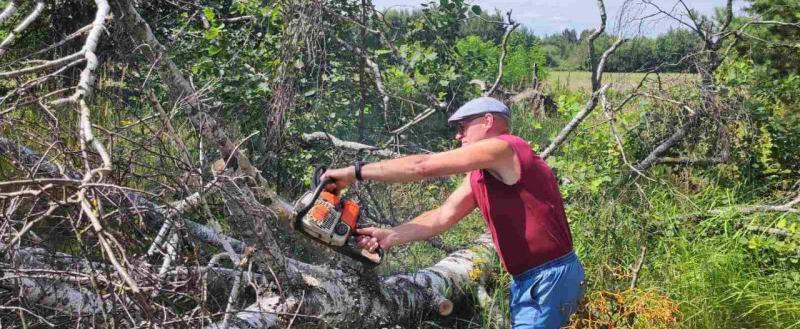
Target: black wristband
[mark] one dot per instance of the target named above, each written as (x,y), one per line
(358,166)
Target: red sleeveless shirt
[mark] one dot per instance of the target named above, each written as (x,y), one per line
(527,219)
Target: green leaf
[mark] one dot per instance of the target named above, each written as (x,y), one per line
(476,9)
(213,50)
(209,14)
(212,33)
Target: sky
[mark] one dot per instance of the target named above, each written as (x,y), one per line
(553,16)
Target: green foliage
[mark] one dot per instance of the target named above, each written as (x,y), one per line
(775,130)
(520,60)
(775,45)
(479,58)
(667,52)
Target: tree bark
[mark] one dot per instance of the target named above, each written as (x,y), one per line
(342,300)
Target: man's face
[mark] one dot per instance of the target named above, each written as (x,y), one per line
(471,129)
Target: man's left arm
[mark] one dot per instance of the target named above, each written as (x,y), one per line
(490,153)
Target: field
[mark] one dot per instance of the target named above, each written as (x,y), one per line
(581,80)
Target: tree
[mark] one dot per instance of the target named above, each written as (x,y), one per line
(130,172)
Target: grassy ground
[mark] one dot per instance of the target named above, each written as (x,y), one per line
(621,82)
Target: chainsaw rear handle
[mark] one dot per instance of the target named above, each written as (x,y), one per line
(375,258)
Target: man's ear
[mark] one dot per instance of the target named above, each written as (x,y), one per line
(489,119)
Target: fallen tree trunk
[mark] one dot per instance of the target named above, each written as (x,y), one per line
(342,300)
(30,272)
(348,297)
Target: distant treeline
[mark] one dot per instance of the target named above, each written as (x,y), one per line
(568,50)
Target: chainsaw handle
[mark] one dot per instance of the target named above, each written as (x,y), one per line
(318,187)
(380,254)
(375,257)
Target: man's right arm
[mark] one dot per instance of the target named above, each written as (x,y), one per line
(425,226)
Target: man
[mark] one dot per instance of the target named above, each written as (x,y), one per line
(518,196)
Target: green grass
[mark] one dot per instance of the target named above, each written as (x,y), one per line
(621,82)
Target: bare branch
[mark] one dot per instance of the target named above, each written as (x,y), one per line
(22,309)
(417,119)
(11,8)
(595,80)
(28,226)
(611,119)
(68,38)
(109,252)
(27,159)
(768,230)
(46,65)
(728,16)
(694,27)
(677,136)
(601,64)
(321,136)
(237,19)
(182,149)
(789,207)
(376,73)
(778,23)
(9,40)
(181,91)
(174,210)
(510,27)
(47,291)
(597,89)
(693,162)
(87,77)
(638,267)
(582,114)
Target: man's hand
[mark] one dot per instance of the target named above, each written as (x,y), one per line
(341,177)
(372,237)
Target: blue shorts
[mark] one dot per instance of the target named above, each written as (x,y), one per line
(546,295)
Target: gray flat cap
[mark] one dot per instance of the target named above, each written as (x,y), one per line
(477,106)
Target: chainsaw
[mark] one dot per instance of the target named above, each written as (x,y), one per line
(332,220)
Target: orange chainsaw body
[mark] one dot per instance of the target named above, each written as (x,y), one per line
(332,220)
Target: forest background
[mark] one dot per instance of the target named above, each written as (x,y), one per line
(137,149)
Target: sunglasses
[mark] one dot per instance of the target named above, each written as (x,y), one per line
(460,124)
